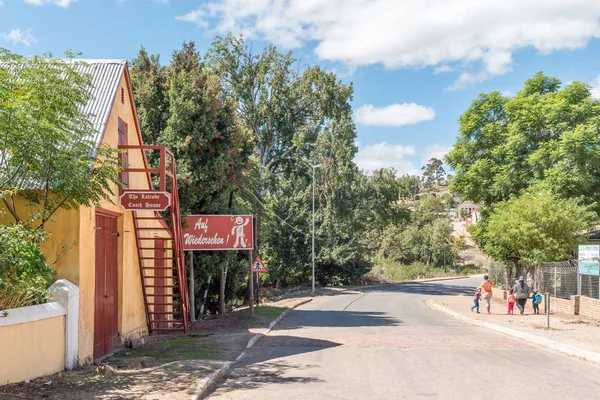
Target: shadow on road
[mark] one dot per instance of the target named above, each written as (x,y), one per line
(257,370)
(330,318)
(431,289)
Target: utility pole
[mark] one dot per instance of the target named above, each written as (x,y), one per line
(313,226)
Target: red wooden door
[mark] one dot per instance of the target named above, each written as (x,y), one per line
(159,279)
(106,305)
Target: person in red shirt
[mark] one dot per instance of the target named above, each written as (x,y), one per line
(512,299)
(486,289)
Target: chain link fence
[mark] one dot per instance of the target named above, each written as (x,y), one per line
(560,280)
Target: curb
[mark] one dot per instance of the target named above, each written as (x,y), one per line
(216,377)
(558,347)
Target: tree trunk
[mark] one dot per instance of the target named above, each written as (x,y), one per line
(204,298)
(192,292)
(222,288)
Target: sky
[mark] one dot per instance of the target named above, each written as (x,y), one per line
(415,65)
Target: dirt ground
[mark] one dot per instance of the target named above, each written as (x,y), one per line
(568,329)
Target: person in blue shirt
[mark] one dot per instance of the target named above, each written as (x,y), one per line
(536,299)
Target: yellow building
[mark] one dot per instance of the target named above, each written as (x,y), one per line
(107,242)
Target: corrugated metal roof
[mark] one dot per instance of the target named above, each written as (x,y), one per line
(106,75)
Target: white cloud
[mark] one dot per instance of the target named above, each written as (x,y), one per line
(442,68)
(595,87)
(17,36)
(394,114)
(60,3)
(435,151)
(196,16)
(386,155)
(477,37)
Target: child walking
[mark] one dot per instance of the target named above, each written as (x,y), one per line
(536,300)
(476,300)
(512,299)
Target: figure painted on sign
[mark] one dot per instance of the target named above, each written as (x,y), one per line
(238,231)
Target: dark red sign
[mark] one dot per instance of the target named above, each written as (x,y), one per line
(144,200)
(218,232)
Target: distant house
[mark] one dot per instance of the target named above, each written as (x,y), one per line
(118,292)
(472,213)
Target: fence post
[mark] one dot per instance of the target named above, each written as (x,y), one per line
(548,310)
(555,278)
(67,294)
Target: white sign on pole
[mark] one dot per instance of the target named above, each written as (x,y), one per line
(588,260)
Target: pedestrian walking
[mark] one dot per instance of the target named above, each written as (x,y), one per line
(476,300)
(522,294)
(486,292)
(536,299)
(511,302)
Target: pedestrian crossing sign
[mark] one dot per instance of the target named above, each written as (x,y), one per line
(259,265)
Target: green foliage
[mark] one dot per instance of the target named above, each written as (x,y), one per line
(543,133)
(24,275)
(535,227)
(433,171)
(427,238)
(46,141)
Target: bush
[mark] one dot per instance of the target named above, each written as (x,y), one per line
(24,275)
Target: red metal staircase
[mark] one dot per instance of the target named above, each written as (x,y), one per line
(160,247)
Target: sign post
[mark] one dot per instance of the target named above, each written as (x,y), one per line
(222,232)
(258,266)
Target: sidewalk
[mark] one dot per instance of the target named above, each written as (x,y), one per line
(569,330)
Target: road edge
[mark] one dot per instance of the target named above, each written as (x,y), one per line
(548,344)
(216,377)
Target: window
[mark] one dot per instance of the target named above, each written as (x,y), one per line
(124,156)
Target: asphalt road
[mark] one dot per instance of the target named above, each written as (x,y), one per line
(385,343)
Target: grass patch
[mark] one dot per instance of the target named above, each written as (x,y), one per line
(264,311)
(176,349)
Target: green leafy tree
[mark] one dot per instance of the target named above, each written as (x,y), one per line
(182,107)
(46,149)
(449,200)
(543,133)
(433,171)
(297,117)
(410,187)
(535,227)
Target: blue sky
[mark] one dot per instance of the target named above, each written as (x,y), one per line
(415,65)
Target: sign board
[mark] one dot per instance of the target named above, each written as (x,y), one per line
(145,200)
(588,263)
(218,232)
(259,265)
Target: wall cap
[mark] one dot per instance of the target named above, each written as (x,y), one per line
(23,315)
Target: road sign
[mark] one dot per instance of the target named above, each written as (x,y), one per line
(259,265)
(587,262)
(145,200)
(218,232)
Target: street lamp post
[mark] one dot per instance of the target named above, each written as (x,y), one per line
(314,167)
